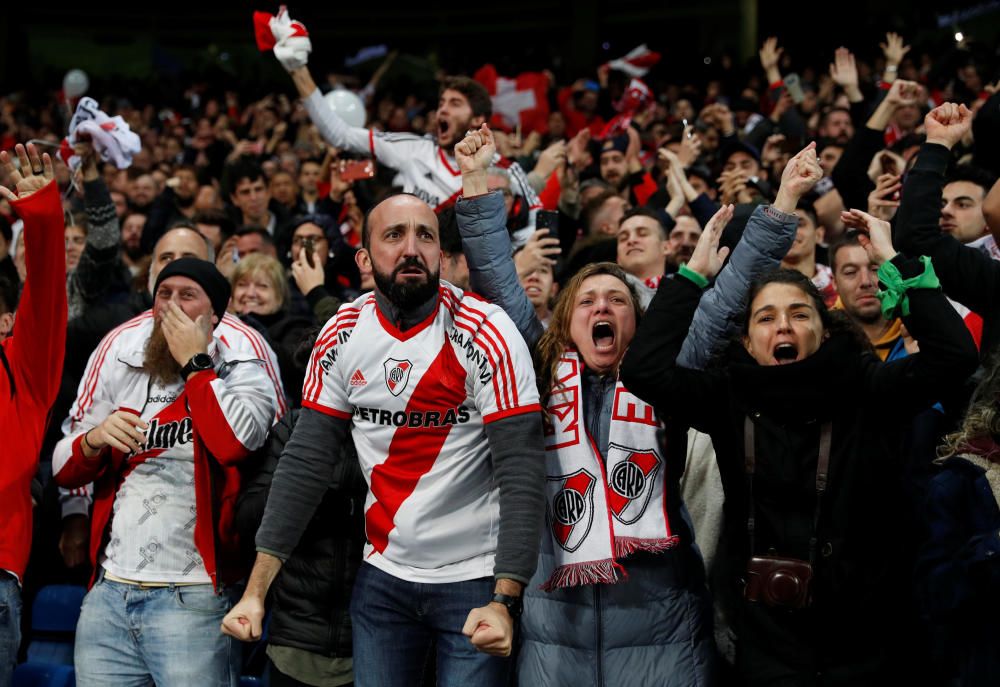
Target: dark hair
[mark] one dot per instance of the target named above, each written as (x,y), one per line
(451,239)
(474,92)
(8,295)
(242,169)
(792,278)
(642,211)
(807,208)
(848,239)
(974,175)
(259,231)
(215,218)
(5,229)
(594,206)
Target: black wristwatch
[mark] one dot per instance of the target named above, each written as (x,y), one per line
(514,604)
(198,362)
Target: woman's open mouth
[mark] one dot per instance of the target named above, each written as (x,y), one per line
(785,353)
(603,334)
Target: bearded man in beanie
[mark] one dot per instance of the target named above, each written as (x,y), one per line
(161,422)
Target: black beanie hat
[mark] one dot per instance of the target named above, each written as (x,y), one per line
(206,274)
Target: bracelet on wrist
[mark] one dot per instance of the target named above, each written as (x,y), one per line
(85,441)
(891,68)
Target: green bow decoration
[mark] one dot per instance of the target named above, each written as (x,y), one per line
(895,301)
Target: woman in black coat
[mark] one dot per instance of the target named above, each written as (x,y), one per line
(817,605)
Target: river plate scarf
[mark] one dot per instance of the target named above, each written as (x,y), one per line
(597,513)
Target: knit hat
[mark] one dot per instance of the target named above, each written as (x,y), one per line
(206,274)
(619,143)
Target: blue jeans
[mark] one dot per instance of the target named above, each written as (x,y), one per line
(10,625)
(129,636)
(396,623)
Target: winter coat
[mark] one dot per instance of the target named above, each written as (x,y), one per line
(310,598)
(841,638)
(958,573)
(651,628)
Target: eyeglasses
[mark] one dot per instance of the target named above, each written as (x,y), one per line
(299,240)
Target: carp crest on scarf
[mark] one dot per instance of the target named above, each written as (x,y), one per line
(597,513)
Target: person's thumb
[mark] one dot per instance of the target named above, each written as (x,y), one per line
(472,622)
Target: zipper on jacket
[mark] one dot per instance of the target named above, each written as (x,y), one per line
(599,645)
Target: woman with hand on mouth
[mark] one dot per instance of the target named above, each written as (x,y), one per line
(619,595)
(805,421)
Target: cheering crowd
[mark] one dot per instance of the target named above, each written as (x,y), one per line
(693,386)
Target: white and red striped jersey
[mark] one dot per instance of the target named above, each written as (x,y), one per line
(424,168)
(234,340)
(418,401)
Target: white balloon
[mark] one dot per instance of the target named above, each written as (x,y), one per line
(75,83)
(348,105)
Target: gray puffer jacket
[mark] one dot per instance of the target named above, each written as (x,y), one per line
(654,626)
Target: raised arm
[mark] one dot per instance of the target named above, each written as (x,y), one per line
(36,350)
(650,369)
(92,275)
(481,222)
(967,275)
(768,236)
(292,47)
(910,290)
(850,176)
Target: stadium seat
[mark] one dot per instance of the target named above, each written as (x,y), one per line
(53,624)
(43,675)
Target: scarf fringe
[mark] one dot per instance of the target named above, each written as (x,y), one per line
(625,546)
(579,574)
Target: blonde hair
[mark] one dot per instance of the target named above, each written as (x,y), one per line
(983,417)
(556,338)
(270,268)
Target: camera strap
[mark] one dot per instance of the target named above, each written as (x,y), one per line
(822,474)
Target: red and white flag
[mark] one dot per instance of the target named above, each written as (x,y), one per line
(522,100)
(637,62)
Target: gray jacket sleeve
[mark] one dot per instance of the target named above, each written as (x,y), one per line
(519,463)
(92,275)
(768,236)
(486,244)
(302,477)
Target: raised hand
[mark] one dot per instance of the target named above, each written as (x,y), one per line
(799,176)
(875,235)
(475,152)
(292,44)
(690,147)
(844,72)
(577,153)
(307,277)
(883,201)
(33,174)
(551,159)
(707,258)
(947,124)
(769,54)
(541,249)
(902,93)
(893,49)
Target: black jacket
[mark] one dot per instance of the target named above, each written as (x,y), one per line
(857,589)
(967,275)
(310,598)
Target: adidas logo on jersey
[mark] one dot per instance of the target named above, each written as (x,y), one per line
(358,379)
